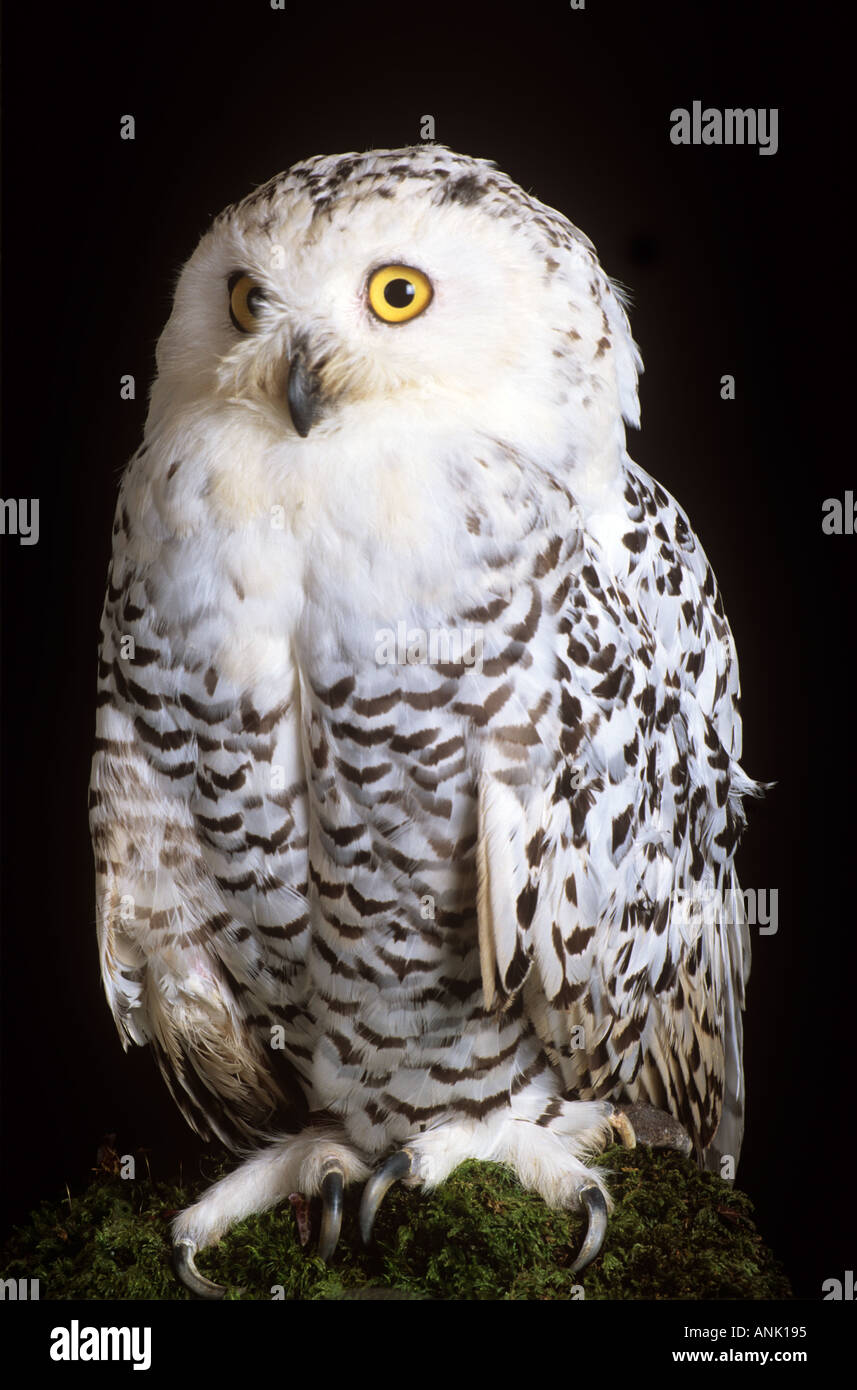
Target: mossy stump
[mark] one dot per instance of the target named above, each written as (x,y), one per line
(675,1233)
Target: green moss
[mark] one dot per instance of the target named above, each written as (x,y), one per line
(675,1233)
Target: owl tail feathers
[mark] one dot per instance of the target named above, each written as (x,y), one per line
(723,1152)
(721,1156)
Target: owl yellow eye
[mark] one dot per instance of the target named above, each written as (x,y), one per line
(398,293)
(246,299)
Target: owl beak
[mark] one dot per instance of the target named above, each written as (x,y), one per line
(304,394)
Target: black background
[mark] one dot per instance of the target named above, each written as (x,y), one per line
(735,261)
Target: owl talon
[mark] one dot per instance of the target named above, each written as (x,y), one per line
(593,1199)
(331,1213)
(398,1165)
(185,1266)
(658,1129)
(623,1129)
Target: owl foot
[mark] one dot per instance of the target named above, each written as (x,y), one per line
(320,1160)
(402,1165)
(543,1145)
(592,1198)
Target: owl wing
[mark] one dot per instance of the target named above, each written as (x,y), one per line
(628,937)
(198,825)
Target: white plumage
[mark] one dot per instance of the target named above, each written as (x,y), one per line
(354,905)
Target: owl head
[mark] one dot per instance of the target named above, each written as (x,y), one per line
(399,295)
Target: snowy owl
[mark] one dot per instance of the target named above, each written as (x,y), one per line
(416,787)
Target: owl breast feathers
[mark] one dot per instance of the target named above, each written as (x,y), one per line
(418,736)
